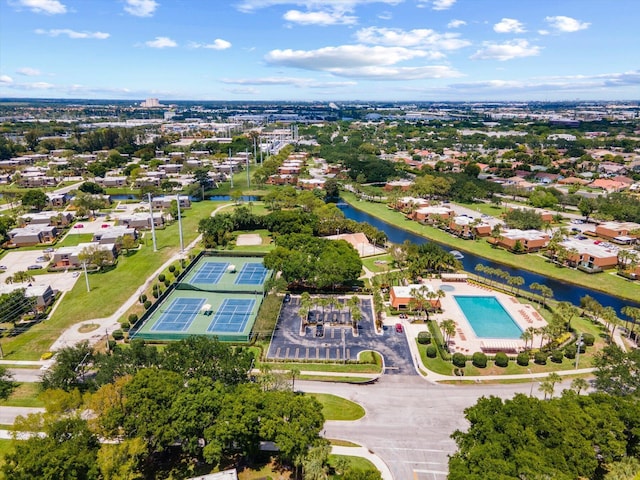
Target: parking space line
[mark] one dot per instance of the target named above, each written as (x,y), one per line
(348,354)
(327,354)
(277,352)
(307,353)
(286,354)
(317,353)
(297,351)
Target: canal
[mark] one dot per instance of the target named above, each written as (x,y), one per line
(561,291)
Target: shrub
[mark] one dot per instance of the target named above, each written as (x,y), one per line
(459,360)
(479,360)
(125,326)
(570,351)
(133,318)
(588,339)
(432,351)
(147,304)
(172,268)
(161,278)
(176,273)
(502,360)
(557,356)
(117,334)
(112,345)
(424,338)
(522,359)
(143,298)
(167,282)
(540,358)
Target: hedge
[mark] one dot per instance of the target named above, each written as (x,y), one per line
(540,358)
(459,360)
(588,339)
(479,360)
(432,351)
(557,356)
(523,359)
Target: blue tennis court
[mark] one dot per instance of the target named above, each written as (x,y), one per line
(251,274)
(232,316)
(210,272)
(179,315)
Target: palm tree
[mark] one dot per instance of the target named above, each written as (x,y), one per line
(527,336)
(549,384)
(295,372)
(579,384)
(448,328)
(634,314)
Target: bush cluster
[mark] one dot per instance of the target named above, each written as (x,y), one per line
(424,338)
(540,358)
(459,360)
(479,360)
(557,356)
(523,359)
(432,351)
(502,360)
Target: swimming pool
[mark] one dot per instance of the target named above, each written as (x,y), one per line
(487,317)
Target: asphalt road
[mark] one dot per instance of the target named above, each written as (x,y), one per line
(409,421)
(335,341)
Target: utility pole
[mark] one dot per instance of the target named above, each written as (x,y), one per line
(86,276)
(246,154)
(153,224)
(180,226)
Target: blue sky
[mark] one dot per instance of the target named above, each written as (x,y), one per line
(414,50)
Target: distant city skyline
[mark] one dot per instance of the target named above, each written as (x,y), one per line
(325,50)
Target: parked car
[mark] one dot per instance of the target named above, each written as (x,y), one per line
(75,274)
(597,242)
(41,259)
(3,267)
(48,250)
(319,330)
(287,298)
(398,327)
(34,267)
(78,225)
(105,225)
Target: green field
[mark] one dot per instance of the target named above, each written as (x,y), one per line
(338,408)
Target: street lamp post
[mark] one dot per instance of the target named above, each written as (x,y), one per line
(531,389)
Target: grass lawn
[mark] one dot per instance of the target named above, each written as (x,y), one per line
(24,395)
(257,208)
(74,239)
(534,263)
(358,463)
(110,289)
(379,263)
(338,408)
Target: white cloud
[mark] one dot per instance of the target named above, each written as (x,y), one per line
(29,72)
(218,44)
(320,18)
(438,4)
(456,23)
(360,61)
(242,91)
(509,25)
(291,81)
(253,5)
(56,32)
(566,24)
(161,42)
(141,8)
(5,80)
(49,7)
(506,51)
(421,38)
(386,15)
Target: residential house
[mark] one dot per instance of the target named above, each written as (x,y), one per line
(432,214)
(164,202)
(608,185)
(32,235)
(112,181)
(69,257)
(58,219)
(521,240)
(311,183)
(619,232)
(140,220)
(57,200)
(402,185)
(589,257)
(113,234)
(467,227)
(43,294)
(400,297)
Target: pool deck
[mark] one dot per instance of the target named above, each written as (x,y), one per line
(465,340)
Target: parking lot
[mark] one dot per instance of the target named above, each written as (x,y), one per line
(22,260)
(337,342)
